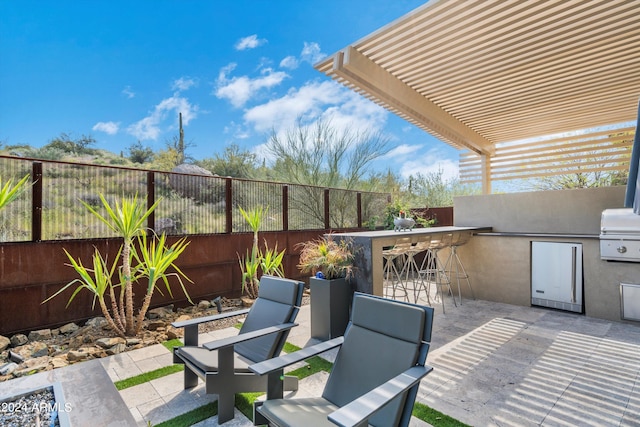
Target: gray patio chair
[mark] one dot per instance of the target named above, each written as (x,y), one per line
(223,364)
(375,377)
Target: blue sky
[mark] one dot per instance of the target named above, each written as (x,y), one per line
(236,69)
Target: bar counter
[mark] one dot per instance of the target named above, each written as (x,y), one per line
(368,264)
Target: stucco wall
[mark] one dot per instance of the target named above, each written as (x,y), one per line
(500,265)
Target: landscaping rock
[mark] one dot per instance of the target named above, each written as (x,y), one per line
(173,333)
(110,342)
(4,343)
(69,328)
(31,350)
(32,366)
(166,226)
(203,305)
(18,340)
(116,349)
(133,341)
(160,312)
(76,341)
(77,355)
(8,368)
(40,335)
(39,349)
(58,362)
(97,322)
(188,186)
(154,325)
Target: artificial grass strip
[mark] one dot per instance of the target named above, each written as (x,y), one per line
(314,365)
(192,417)
(244,403)
(148,376)
(435,418)
(290,348)
(169,345)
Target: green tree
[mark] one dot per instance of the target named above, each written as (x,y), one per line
(325,156)
(139,153)
(64,142)
(433,190)
(166,160)
(233,162)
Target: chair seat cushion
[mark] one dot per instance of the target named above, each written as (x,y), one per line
(307,412)
(207,361)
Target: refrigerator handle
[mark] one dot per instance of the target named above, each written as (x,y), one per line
(573,273)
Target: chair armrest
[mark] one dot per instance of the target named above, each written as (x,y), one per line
(198,320)
(237,339)
(191,326)
(277,363)
(360,410)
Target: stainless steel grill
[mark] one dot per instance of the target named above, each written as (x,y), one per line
(620,235)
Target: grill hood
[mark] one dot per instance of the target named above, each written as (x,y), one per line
(620,235)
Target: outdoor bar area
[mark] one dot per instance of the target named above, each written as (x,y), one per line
(369,245)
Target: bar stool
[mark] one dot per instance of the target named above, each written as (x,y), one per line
(412,271)
(432,266)
(391,273)
(453,266)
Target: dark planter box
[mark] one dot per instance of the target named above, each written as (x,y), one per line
(330,302)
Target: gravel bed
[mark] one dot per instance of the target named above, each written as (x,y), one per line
(35,409)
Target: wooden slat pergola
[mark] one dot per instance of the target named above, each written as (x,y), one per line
(483,75)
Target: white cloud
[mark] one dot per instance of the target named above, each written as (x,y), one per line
(238,90)
(249,42)
(183,83)
(290,62)
(402,151)
(307,101)
(128,92)
(150,127)
(431,161)
(110,128)
(311,52)
(313,101)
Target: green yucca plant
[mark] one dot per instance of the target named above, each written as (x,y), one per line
(271,261)
(9,192)
(256,261)
(150,261)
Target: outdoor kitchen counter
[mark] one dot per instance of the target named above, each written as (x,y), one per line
(368,271)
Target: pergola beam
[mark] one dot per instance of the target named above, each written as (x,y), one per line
(387,89)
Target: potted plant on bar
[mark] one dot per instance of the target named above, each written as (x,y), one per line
(331,263)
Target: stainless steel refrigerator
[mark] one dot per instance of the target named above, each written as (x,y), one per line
(556,275)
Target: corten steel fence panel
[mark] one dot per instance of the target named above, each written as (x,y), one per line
(251,195)
(66,185)
(191,204)
(15,218)
(306,207)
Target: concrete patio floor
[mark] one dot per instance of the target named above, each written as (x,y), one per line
(494,365)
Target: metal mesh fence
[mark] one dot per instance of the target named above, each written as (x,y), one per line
(189,204)
(251,195)
(306,208)
(66,188)
(15,217)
